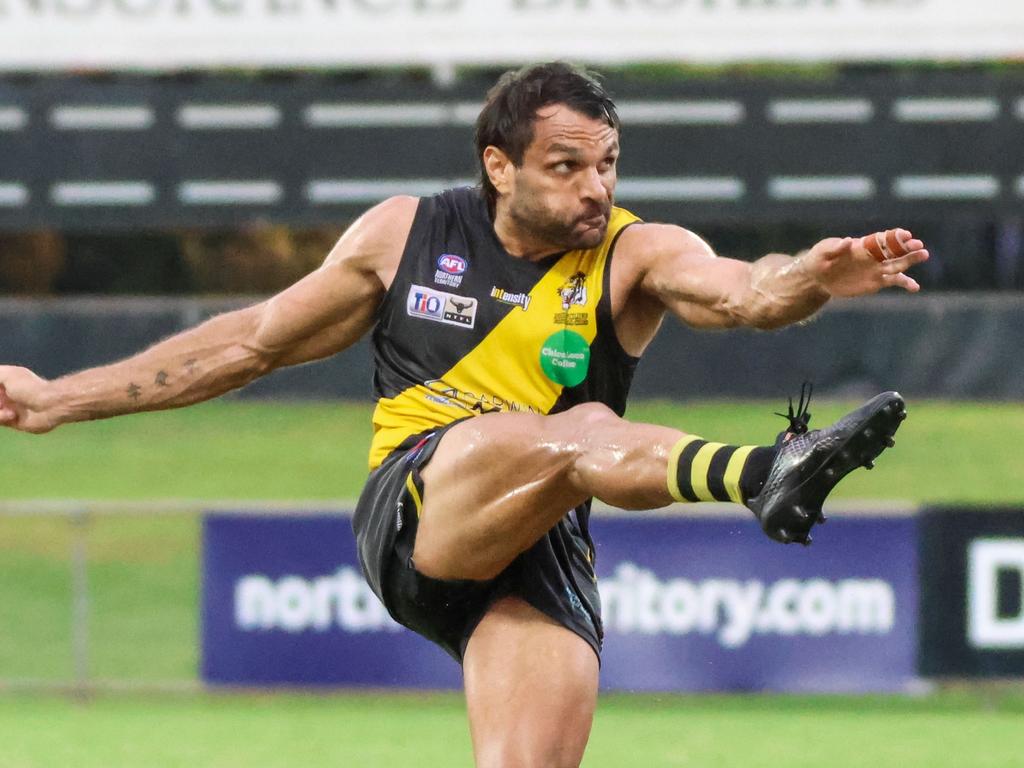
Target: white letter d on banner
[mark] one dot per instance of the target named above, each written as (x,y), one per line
(985,627)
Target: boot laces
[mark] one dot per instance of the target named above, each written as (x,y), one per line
(800,418)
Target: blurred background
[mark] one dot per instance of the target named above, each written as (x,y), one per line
(161,162)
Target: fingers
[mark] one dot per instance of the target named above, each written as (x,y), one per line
(900,280)
(891,244)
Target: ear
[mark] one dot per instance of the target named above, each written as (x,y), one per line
(500,170)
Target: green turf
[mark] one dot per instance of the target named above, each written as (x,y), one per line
(143,570)
(948,452)
(144,626)
(948,731)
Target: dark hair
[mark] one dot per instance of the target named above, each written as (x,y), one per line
(508,116)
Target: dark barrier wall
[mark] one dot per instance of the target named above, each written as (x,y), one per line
(924,346)
(972,592)
(132,152)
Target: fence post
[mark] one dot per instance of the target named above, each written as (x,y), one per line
(80,603)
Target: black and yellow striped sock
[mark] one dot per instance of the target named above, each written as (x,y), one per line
(703,471)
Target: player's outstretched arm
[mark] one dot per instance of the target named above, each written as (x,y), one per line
(323,313)
(683,273)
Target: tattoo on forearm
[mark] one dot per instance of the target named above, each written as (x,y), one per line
(191,366)
(161,379)
(134,392)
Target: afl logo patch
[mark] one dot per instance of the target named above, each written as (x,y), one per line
(451,264)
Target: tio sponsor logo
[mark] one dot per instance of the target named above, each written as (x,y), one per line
(426,304)
(294,604)
(636,601)
(441,307)
(993,565)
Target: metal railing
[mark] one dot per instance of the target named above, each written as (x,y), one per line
(82,514)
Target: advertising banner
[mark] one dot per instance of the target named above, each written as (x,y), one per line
(713,605)
(172,34)
(285,603)
(689,604)
(972,595)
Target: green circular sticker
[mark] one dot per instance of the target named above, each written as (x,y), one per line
(565,358)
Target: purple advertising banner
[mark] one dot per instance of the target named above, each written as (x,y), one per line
(689,604)
(285,603)
(714,605)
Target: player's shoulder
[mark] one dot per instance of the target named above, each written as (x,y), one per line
(377,238)
(388,220)
(644,241)
(391,211)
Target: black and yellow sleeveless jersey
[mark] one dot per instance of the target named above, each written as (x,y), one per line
(467,329)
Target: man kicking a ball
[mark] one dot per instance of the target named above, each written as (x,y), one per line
(507,322)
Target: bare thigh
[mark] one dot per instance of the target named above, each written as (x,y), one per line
(531,690)
(499,482)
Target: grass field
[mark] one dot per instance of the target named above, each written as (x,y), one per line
(357,730)
(245,450)
(143,578)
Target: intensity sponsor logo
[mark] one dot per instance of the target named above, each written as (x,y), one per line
(294,604)
(521,300)
(636,601)
(441,307)
(450,269)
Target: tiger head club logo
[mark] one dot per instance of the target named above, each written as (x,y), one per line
(574,291)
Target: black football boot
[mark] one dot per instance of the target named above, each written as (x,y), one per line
(809,464)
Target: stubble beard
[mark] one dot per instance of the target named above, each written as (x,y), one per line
(544,226)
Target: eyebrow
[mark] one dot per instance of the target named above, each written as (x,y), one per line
(573,151)
(565,149)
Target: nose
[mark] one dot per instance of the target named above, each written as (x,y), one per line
(593,186)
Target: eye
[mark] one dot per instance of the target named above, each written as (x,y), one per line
(564,166)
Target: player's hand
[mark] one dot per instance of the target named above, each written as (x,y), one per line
(855,266)
(23,401)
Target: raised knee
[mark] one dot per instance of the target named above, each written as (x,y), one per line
(588,415)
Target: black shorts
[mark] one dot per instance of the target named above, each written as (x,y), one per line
(555,576)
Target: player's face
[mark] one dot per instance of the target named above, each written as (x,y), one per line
(562,194)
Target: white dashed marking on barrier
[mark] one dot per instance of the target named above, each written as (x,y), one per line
(87,117)
(786,111)
(13,118)
(102,193)
(674,188)
(928,110)
(327,191)
(13,195)
(682,112)
(211,192)
(821,187)
(976,187)
(206,117)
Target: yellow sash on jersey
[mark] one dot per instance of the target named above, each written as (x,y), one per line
(503,372)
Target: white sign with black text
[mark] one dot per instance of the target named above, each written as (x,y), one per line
(174,34)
